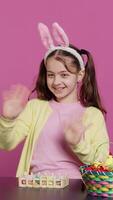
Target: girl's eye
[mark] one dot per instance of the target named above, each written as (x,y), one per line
(50,75)
(64,75)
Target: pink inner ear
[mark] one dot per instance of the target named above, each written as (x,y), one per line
(59,35)
(45,35)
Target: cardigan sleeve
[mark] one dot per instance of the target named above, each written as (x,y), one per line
(12,132)
(94,145)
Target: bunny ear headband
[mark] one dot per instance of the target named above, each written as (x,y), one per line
(60,37)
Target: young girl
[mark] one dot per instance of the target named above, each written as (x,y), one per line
(64,126)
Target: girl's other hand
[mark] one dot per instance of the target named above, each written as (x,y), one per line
(74,132)
(14,100)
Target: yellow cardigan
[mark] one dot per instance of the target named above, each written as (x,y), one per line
(94,145)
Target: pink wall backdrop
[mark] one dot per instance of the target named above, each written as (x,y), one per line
(89,25)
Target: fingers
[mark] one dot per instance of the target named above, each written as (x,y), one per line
(74,125)
(16,92)
(19,89)
(75,130)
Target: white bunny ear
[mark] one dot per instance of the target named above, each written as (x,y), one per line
(59,35)
(45,36)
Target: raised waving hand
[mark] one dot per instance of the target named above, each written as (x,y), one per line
(14,100)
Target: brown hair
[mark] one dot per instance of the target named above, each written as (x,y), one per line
(88,95)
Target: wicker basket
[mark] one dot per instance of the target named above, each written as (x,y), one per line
(98,183)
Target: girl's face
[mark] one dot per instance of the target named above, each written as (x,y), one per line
(61,82)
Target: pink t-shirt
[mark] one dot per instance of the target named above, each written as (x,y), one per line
(52,154)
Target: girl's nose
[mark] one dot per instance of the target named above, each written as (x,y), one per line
(56,80)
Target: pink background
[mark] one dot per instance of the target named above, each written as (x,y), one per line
(89,25)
